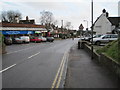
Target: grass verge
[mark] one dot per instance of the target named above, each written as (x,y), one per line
(112,50)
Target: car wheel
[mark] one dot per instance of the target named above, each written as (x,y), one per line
(98,43)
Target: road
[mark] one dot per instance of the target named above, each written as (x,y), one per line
(36,65)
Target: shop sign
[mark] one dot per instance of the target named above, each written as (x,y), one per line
(37,31)
(30,32)
(16,32)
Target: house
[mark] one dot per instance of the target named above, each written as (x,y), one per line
(102,25)
(115,21)
(27,21)
(105,24)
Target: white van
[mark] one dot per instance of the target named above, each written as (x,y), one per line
(26,39)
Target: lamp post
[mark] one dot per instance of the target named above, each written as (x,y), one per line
(119,42)
(87,23)
(62,25)
(92,29)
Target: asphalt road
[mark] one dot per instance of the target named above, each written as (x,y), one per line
(35,65)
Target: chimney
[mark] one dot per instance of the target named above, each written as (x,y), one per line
(107,14)
(104,11)
(16,19)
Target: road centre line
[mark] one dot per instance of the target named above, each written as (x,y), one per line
(33,55)
(8,68)
(17,63)
(59,72)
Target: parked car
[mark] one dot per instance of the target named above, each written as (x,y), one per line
(17,40)
(43,39)
(50,39)
(105,39)
(25,39)
(35,39)
(97,35)
(8,40)
(88,38)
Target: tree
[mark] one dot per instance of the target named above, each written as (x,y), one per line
(9,16)
(55,22)
(67,25)
(4,16)
(46,17)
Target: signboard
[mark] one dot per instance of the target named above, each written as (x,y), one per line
(37,31)
(16,32)
(81,27)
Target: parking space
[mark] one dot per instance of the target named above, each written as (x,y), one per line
(19,47)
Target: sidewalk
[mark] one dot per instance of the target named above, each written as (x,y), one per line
(85,73)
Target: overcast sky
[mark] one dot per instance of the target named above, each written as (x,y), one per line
(74,11)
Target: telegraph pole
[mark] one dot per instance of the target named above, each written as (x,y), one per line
(92,30)
(62,25)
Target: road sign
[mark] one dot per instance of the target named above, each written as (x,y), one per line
(81,27)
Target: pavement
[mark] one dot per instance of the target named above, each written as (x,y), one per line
(85,73)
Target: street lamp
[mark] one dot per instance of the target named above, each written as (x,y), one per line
(92,29)
(87,24)
(62,25)
(118,42)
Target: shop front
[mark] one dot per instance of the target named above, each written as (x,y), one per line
(17,33)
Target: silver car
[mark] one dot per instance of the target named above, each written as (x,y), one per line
(105,39)
(26,39)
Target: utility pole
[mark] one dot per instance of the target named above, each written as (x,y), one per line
(62,25)
(92,30)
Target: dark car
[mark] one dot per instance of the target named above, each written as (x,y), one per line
(17,40)
(50,39)
(8,40)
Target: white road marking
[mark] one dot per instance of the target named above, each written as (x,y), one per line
(33,55)
(8,68)
(16,64)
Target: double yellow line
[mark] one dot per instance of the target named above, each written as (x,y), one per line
(57,80)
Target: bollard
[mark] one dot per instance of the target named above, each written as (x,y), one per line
(80,44)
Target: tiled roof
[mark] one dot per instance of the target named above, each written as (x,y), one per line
(21,25)
(114,20)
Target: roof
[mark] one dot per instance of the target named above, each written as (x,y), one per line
(27,21)
(114,20)
(21,25)
(97,19)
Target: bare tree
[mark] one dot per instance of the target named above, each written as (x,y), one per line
(67,25)
(9,16)
(4,16)
(55,22)
(46,17)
